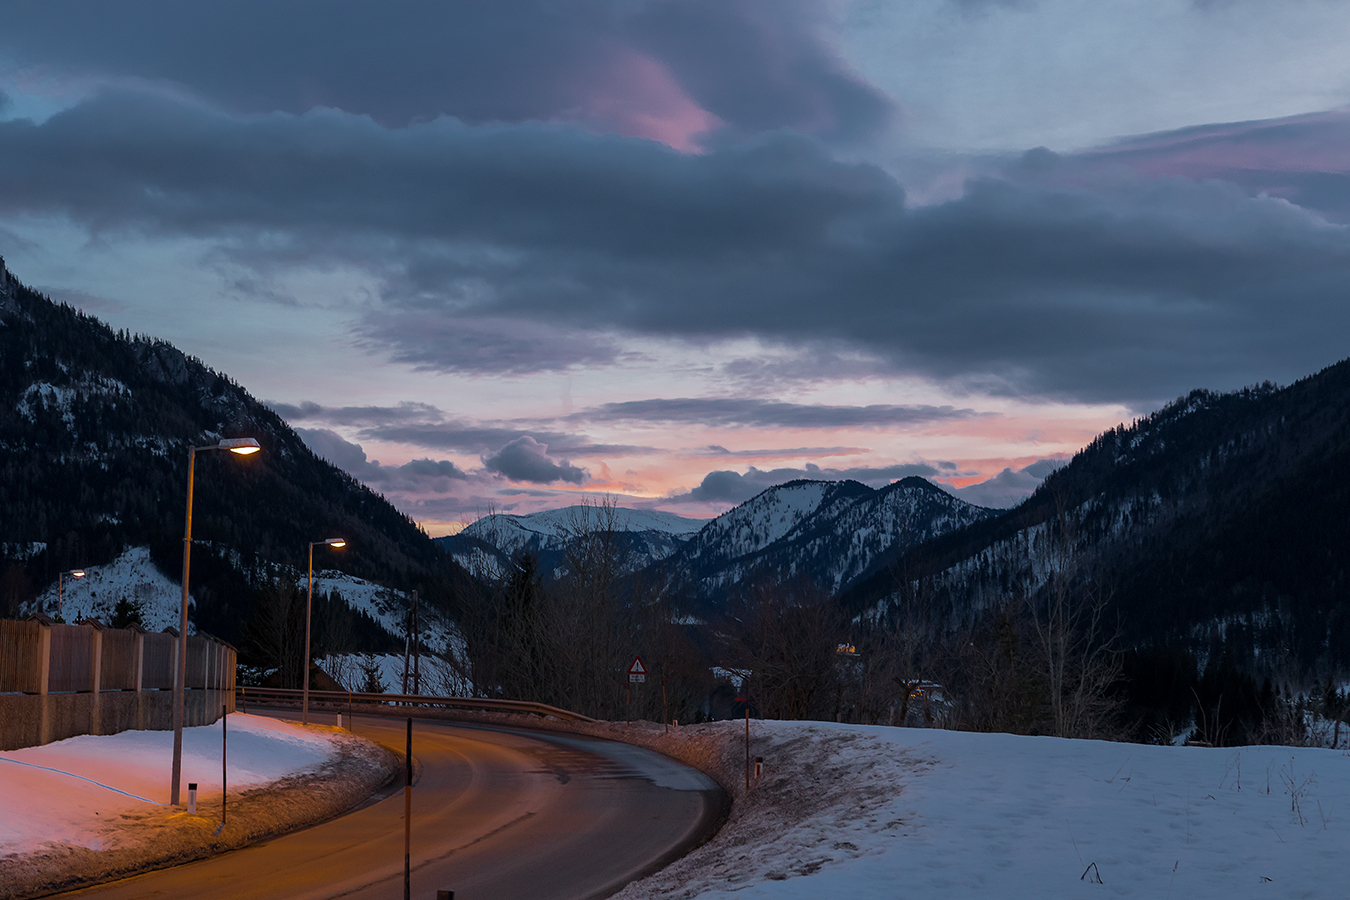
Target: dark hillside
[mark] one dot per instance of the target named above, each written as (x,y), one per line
(95,428)
(1218,522)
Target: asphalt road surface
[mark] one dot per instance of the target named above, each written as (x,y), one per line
(497,814)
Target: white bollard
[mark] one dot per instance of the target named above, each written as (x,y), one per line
(339,719)
(192,798)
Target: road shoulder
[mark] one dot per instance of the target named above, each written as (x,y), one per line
(154,837)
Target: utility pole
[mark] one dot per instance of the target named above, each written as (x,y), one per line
(407,647)
(416,641)
(407,819)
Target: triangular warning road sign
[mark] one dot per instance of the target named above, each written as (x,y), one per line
(637,668)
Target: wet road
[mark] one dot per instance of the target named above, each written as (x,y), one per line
(497,814)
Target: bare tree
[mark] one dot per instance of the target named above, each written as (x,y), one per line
(1069,623)
(789,642)
(276,634)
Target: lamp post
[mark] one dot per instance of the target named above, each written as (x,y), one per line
(336,544)
(60,589)
(243,447)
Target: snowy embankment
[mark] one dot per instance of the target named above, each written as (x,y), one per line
(873,812)
(92,808)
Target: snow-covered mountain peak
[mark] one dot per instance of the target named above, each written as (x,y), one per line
(503,529)
(766,517)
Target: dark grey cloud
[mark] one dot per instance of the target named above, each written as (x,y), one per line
(726,486)
(718,450)
(525,459)
(4,101)
(1302,159)
(429,340)
(309,411)
(425,425)
(1044,281)
(477,439)
(769,413)
(756,64)
(416,476)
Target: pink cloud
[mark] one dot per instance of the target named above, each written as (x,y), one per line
(1317,142)
(637,96)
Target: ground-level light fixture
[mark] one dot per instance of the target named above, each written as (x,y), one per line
(336,544)
(242,447)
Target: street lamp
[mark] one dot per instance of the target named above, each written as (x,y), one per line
(60,589)
(243,447)
(336,544)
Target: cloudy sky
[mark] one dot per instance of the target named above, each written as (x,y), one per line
(501,255)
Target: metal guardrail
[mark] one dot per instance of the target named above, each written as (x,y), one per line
(326,699)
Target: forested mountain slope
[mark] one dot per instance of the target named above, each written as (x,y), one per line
(1218,523)
(95,428)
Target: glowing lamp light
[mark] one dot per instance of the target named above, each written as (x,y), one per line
(242,446)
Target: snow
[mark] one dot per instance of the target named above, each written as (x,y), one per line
(938,814)
(68,791)
(438,677)
(500,529)
(388,607)
(132,575)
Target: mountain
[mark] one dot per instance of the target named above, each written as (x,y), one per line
(829,532)
(647,535)
(95,428)
(1219,524)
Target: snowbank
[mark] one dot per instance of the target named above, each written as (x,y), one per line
(91,808)
(869,812)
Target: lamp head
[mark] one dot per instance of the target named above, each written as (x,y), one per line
(336,543)
(242,446)
(74,573)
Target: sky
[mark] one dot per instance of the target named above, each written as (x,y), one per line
(500,257)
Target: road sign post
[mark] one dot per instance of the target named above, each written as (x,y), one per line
(637,674)
(746,701)
(407,817)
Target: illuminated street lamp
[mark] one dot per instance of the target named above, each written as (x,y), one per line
(243,447)
(336,544)
(60,588)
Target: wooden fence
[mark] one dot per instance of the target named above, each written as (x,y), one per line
(58,681)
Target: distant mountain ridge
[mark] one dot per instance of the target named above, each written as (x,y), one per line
(832,533)
(485,546)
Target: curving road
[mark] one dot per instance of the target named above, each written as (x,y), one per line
(497,814)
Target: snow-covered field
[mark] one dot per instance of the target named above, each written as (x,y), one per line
(872,812)
(68,792)
(852,811)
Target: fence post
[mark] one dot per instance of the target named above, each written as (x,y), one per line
(96,680)
(138,678)
(44,678)
(173,666)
